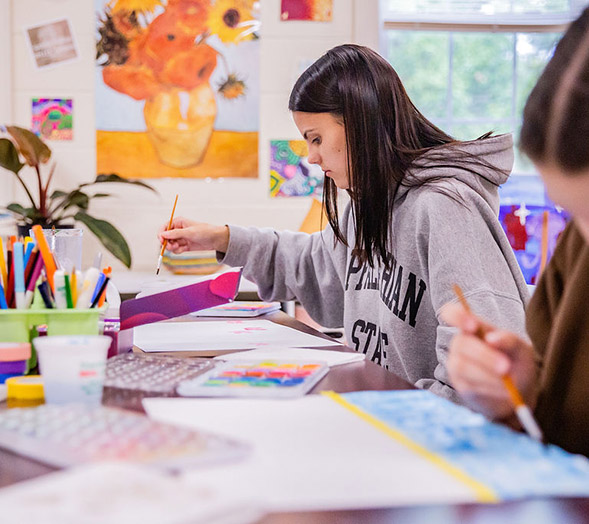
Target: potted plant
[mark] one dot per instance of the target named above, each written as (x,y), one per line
(19,148)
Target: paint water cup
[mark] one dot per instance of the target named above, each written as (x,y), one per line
(66,245)
(72,367)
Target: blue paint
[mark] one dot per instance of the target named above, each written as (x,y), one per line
(510,463)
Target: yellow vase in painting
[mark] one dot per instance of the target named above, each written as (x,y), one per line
(180,124)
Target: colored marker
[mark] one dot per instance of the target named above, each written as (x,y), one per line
(3,304)
(68,292)
(100,292)
(30,265)
(98,286)
(32,282)
(3,272)
(43,246)
(60,289)
(19,275)
(74,282)
(9,286)
(45,294)
(29,246)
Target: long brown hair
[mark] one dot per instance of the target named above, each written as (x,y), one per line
(385,134)
(556,116)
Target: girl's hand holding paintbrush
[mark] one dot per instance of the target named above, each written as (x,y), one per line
(481,356)
(187,235)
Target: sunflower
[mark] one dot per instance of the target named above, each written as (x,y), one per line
(232,88)
(232,20)
(140,6)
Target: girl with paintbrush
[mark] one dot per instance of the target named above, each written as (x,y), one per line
(422,215)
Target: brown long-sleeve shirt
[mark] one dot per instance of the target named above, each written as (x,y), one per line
(557,322)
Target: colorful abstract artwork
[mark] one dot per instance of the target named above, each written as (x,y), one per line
(177,88)
(52,118)
(311,10)
(291,175)
(528,217)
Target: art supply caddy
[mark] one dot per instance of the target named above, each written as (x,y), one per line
(24,266)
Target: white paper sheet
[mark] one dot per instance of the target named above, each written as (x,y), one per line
(330,357)
(217,335)
(109,492)
(311,454)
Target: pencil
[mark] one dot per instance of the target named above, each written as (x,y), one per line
(164,243)
(523,412)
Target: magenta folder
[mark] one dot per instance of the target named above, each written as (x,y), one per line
(180,301)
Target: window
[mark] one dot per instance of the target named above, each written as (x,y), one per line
(469,65)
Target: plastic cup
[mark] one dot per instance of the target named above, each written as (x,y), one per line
(66,245)
(72,367)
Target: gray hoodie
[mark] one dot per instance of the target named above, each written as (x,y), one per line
(393,316)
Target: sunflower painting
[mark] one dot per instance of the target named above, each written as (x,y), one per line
(177,88)
(313,10)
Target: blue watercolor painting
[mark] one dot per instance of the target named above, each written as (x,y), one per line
(510,464)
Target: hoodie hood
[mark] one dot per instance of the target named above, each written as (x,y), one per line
(487,164)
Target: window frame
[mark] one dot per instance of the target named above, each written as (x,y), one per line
(548,23)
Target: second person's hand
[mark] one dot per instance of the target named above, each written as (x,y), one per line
(476,367)
(188,235)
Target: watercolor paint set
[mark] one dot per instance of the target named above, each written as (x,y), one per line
(269,379)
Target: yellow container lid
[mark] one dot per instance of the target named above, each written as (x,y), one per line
(26,388)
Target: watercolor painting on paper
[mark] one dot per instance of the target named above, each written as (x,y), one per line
(309,10)
(52,118)
(177,88)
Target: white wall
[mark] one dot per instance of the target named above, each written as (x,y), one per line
(6,183)
(138,213)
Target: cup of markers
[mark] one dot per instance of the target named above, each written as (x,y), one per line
(29,265)
(35,291)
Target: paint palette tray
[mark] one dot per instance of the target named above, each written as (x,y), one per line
(72,434)
(152,373)
(259,378)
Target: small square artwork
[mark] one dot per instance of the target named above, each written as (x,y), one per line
(291,175)
(51,43)
(52,118)
(310,10)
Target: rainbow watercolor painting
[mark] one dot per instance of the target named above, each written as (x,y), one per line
(52,118)
(291,175)
(310,10)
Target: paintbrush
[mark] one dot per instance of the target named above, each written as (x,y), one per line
(164,243)
(523,412)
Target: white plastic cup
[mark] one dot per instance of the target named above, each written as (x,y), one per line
(72,367)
